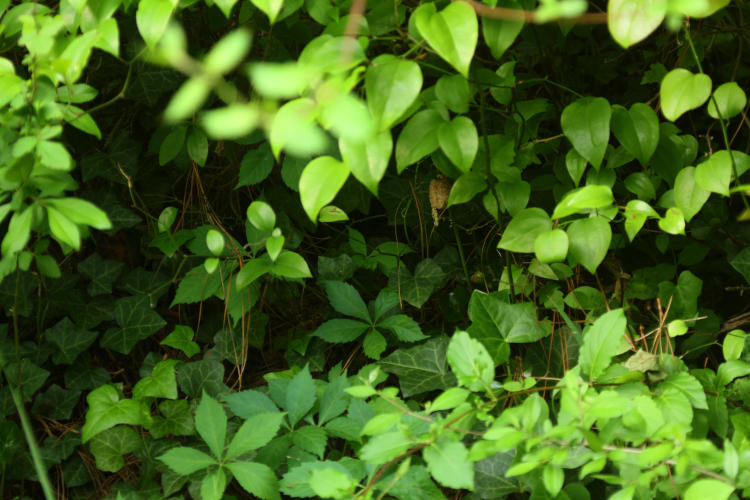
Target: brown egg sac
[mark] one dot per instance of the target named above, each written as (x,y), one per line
(440,188)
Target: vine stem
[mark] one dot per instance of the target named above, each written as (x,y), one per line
(28,431)
(722,123)
(530,16)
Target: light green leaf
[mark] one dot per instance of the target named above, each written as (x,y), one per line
(18,232)
(587,197)
(715,174)
(689,196)
(384,447)
(290,265)
(553,478)
(213,485)
(392,85)
(54,155)
(81,212)
(418,138)
(270,7)
(161,384)
(185,461)
(551,246)
(682,91)
(523,230)
(228,52)
(300,396)
(636,213)
(152,18)
(454,92)
(230,122)
(708,488)
(106,410)
(637,129)
(368,160)
(255,432)
(588,241)
(330,213)
(448,463)
(630,21)
(182,338)
(294,129)
(331,483)
(459,141)
(601,342)
(211,424)
(733,345)
(673,221)
(187,100)
(252,270)
(63,229)
(452,32)
(215,242)
(470,362)
(499,34)
(261,215)
(278,80)
(320,182)
(731,100)
(585,123)
(225,6)
(466,187)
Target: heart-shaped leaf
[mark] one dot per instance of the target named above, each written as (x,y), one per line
(689,196)
(523,229)
(682,91)
(392,85)
(730,99)
(452,32)
(637,129)
(418,138)
(630,21)
(673,221)
(459,141)
(320,181)
(589,241)
(551,246)
(636,213)
(368,161)
(586,125)
(715,173)
(499,34)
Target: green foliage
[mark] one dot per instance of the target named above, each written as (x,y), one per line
(343,249)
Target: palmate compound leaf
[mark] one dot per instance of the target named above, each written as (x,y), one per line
(421,368)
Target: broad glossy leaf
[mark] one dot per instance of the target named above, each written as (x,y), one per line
(733,344)
(700,9)
(673,221)
(521,232)
(152,18)
(601,342)
(551,246)
(392,85)
(585,123)
(368,160)
(454,92)
(588,241)
(418,138)
(252,270)
(215,242)
(290,265)
(731,100)
(587,197)
(452,32)
(459,141)
(630,21)
(470,362)
(715,174)
(682,91)
(637,129)
(499,34)
(421,368)
(320,182)
(225,6)
(636,213)
(261,215)
(466,187)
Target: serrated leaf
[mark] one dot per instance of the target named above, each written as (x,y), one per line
(184,460)
(211,424)
(421,368)
(345,299)
(257,479)
(601,342)
(255,432)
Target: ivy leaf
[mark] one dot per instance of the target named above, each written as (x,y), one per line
(106,410)
(300,396)
(161,384)
(109,446)
(206,375)
(182,338)
(69,340)
(601,342)
(103,273)
(421,368)
(585,123)
(175,419)
(137,321)
(416,288)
